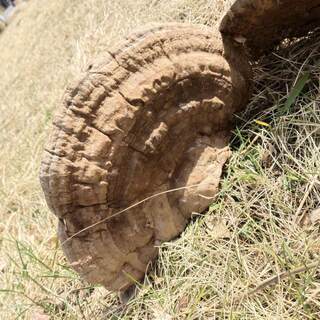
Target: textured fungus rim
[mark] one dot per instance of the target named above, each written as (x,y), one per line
(153,115)
(262,24)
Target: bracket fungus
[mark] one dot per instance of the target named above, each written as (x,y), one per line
(262,24)
(153,115)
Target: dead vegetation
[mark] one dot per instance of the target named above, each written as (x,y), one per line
(248,258)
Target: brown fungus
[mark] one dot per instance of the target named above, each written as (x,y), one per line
(262,24)
(155,115)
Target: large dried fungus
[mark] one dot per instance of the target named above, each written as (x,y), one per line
(154,115)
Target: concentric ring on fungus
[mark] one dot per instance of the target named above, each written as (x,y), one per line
(155,115)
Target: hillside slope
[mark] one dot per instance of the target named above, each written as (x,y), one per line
(251,232)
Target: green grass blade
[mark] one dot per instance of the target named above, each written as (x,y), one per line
(296,90)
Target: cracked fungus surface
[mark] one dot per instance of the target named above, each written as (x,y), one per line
(262,24)
(153,115)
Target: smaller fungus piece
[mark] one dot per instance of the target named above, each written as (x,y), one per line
(262,24)
(153,115)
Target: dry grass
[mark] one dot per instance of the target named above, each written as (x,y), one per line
(257,228)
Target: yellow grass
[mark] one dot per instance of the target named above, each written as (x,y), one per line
(250,234)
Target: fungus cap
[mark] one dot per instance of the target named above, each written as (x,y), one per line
(262,24)
(152,115)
